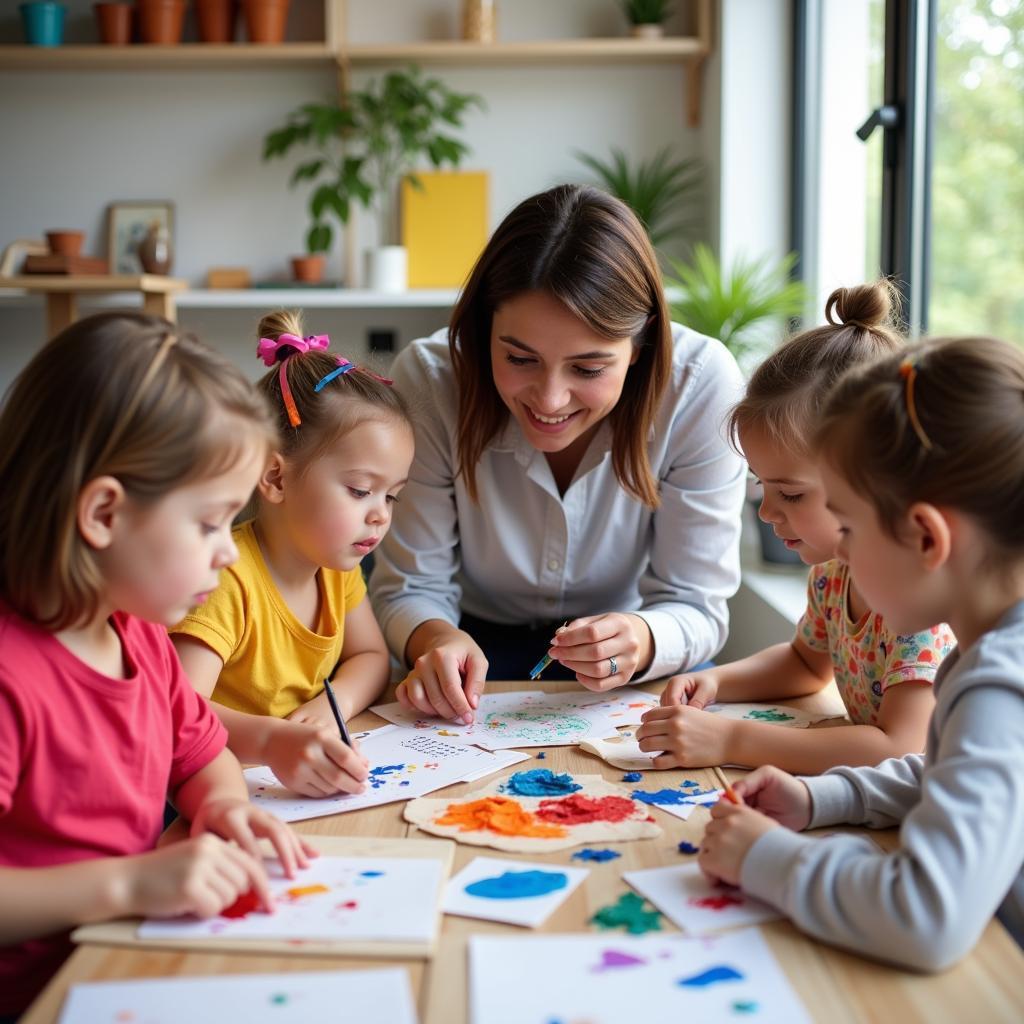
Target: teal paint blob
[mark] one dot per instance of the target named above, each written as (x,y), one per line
(769,715)
(518,885)
(712,976)
(541,782)
(587,853)
(745,1006)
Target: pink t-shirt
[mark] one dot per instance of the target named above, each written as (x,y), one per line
(86,762)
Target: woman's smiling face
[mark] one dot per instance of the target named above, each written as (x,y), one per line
(558,377)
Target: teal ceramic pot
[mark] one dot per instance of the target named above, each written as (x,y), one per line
(43,22)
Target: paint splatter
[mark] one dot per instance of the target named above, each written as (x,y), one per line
(768,715)
(716,902)
(499,814)
(689,784)
(243,906)
(370,874)
(670,796)
(518,885)
(404,782)
(632,776)
(588,853)
(542,755)
(299,892)
(348,905)
(578,809)
(685,847)
(745,1006)
(611,959)
(378,775)
(628,912)
(541,782)
(278,999)
(712,976)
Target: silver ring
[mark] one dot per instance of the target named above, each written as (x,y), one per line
(613,666)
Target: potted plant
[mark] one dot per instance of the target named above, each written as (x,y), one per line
(748,308)
(363,148)
(647,17)
(664,193)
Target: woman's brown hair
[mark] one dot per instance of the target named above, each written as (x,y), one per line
(786,392)
(966,450)
(589,251)
(118,394)
(326,415)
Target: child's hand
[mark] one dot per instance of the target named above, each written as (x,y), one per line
(315,712)
(778,795)
(689,737)
(697,690)
(232,818)
(313,760)
(732,831)
(447,680)
(199,876)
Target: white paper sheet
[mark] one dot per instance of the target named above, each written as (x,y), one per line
(624,706)
(504,720)
(404,765)
(625,980)
(685,896)
(498,890)
(370,997)
(389,899)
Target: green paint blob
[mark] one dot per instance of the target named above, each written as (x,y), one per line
(628,912)
(278,999)
(744,1006)
(769,716)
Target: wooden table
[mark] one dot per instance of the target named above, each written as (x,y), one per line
(62,292)
(836,987)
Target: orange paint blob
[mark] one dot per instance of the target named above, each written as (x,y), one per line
(498,814)
(306,890)
(579,809)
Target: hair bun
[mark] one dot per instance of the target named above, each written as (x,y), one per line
(276,323)
(867,306)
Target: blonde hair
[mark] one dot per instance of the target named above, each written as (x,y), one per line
(345,402)
(786,392)
(118,394)
(968,396)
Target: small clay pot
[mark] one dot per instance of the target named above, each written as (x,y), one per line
(216,19)
(309,269)
(65,243)
(649,31)
(114,22)
(265,20)
(161,21)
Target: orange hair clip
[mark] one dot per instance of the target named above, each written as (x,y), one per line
(908,371)
(286,394)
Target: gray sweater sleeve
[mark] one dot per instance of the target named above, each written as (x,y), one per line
(876,797)
(925,905)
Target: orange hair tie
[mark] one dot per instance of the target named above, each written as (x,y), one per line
(908,371)
(286,394)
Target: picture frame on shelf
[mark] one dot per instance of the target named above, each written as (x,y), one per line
(128,224)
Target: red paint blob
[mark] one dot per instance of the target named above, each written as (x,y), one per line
(243,906)
(578,809)
(347,905)
(717,902)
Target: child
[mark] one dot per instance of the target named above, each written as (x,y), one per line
(883,678)
(127,448)
(292,609)
(923,462)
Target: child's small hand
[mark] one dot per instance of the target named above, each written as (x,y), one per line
(239,820)
(199,876)
(312,760)
(447,680)
(777,794)
(315,712)
(697,690)
(732,831)
(689,737)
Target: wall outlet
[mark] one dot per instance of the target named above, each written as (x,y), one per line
(380,339)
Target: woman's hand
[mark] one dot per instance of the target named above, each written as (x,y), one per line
(697,690)
(447,679)
(728,837)
(604,651)
(689,737)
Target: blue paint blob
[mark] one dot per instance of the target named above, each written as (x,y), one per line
(689,784)
(518,885)
(587,853)
(378,774)
(660,796)
(370,874)
(712,976)
(541,756)
(541,782)
(685,847)
(632,777)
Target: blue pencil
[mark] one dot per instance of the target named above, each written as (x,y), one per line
(545,661)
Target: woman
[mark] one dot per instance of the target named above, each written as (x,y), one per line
(571,467)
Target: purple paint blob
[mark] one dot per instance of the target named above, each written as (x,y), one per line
(712,976)
(632,777)
(612,958)
(588,853)
(518,885)
(541,782)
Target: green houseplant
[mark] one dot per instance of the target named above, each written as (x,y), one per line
(363,147)
(664,193)
(647,16)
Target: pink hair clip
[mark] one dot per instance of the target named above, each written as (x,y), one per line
(268,347)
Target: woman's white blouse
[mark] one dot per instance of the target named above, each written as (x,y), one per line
(526,554)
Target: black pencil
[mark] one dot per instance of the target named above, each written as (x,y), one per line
(336,711)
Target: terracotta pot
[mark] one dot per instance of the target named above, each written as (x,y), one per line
(265,20)
(216,20)
(161,21)
(114,22)
(65,243)
(308,268)
(647,32)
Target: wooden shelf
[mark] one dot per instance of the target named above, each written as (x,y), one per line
(148,58)
(317,298)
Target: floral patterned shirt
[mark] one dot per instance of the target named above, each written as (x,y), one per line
(867,657)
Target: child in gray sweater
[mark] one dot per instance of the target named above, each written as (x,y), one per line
(923,462)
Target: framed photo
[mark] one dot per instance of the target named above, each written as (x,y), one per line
(127,226)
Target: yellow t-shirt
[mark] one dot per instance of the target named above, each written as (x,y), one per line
(272,662)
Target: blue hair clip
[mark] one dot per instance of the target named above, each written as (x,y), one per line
(343,367)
